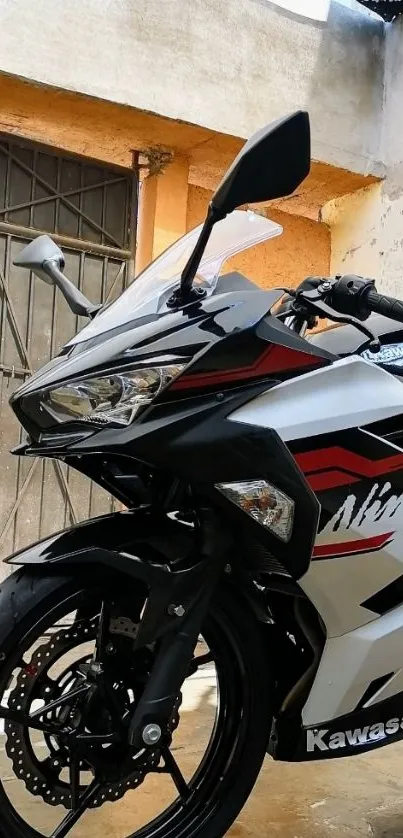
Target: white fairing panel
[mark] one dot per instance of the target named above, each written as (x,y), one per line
(349,393)
(339,585)
(351,662)
(359,550)
(361,646)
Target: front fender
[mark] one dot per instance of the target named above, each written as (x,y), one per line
(119,540)
(151,549)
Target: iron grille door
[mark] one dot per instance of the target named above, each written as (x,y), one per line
(91,212)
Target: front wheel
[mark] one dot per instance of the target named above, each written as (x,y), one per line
(65,735)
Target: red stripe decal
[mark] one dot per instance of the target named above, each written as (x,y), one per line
(273,359)
(331,467)
(330,480)
(340,459)
(349,548)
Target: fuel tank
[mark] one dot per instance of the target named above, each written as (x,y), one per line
(347,340)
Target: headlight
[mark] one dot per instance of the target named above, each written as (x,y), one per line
(263,502)
(110,398)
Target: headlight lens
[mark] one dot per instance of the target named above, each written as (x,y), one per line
(114,398)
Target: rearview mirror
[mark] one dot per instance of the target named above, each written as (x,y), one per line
(36,253)
(46,260)
(272,163)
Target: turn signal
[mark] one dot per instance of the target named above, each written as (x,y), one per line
(263,502)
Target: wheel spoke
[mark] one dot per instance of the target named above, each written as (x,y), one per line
(75,814)
(58,702)
(24,720)
(102,636)
(176,774)
(97,738)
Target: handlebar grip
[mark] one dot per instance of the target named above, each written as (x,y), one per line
(388,306)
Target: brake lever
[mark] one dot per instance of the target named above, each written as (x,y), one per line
(314,299)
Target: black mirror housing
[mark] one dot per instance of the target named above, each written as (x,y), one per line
(272,163)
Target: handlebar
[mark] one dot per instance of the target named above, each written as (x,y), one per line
(350,296)
(388,306)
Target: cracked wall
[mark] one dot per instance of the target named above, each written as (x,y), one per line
(367,226)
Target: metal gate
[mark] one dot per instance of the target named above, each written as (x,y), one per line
(91,211)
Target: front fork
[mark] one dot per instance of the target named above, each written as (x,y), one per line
(176,614)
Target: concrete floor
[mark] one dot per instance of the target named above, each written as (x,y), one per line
(356,797)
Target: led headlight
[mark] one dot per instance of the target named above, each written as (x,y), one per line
(263,502)
(111,398)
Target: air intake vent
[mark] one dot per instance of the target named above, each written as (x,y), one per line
(261,560)
(373,688)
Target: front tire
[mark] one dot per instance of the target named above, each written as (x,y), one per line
(30,603)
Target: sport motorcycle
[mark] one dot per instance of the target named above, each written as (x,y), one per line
(259,466)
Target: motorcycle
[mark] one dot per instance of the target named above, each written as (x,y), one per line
(261,471)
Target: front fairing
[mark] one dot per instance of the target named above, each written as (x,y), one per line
(140,326)
(184,335)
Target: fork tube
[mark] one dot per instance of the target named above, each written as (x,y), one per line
(296,324)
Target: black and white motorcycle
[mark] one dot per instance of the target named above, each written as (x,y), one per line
(262,474)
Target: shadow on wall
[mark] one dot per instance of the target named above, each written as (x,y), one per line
(367,225)
(347,91)
(347,88)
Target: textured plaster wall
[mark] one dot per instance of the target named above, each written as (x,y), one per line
(228,66)
(355,228)
(391,218)
(367,226)
(366,230)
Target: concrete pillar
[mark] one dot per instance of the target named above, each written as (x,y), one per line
(367,226)
(162,210)
(146,218)
(355,230)
(171,204)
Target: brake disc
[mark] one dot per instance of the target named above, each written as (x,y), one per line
(123,769)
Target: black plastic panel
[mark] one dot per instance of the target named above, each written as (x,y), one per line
(389,597)
(350,735)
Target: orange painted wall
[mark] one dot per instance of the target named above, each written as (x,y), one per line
(302,250)
(109,133)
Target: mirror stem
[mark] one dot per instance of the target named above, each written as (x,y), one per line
(185,293)
(76,300)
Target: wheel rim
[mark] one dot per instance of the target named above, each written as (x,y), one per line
(212,779)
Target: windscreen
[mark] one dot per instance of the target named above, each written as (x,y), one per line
(148,294)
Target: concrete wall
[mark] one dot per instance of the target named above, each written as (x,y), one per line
(366,232)
(391,216)
(367,226)
(224,67)
(229,66)
(354,225)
